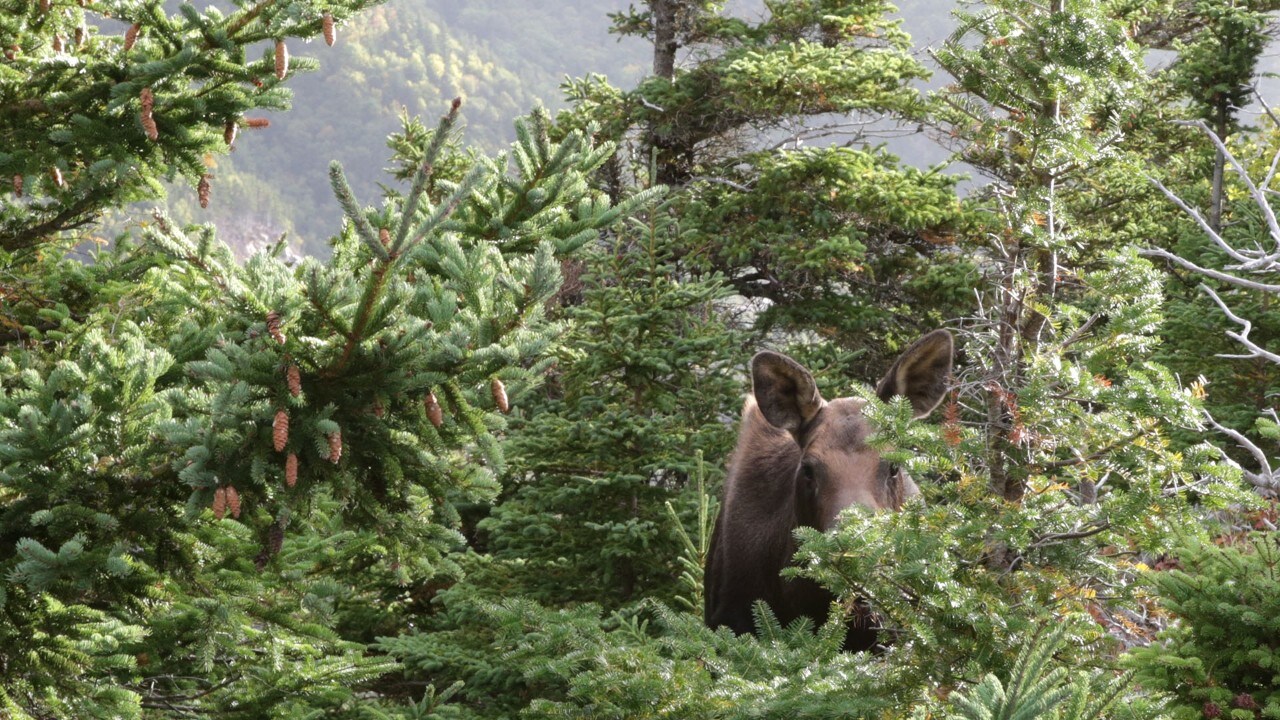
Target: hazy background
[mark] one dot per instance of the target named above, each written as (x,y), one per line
(503,57)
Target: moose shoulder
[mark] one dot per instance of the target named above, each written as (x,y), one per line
(800,460)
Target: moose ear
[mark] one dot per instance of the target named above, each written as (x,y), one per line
(785,392)
(920,373)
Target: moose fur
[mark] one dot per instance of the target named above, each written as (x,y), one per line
(799,461)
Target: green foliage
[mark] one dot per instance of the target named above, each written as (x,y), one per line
(1224,649)
(463,469)
(166,391)
(644,380)
(77,119)
(838,240)
(1218,62)
(1039,688)
(501,56)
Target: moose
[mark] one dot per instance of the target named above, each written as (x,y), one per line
(799,461)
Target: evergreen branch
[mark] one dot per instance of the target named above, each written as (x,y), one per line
(347,199)
(423,174)
(1098,455)
(372,292)
(446,208)
(72,216)
(1048,539)
(247,17)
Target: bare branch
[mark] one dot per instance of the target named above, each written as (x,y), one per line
(1210,273)
(1242,337)
(1266,478)
(1236,255)
(1258,197)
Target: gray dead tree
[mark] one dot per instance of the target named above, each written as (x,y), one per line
(1256,267)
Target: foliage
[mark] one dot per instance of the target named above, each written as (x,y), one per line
(163,442)
(96,115)
(464,468)
(645,378)
(1036,689)
(1222,656)
(760,137)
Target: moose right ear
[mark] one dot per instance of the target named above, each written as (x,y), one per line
(785,392)
(921,373)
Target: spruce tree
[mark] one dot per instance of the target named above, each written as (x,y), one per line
(647,376)
(223,479)
(761,136)
(100,102)
(1220,658)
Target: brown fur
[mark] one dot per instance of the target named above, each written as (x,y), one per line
(779,479)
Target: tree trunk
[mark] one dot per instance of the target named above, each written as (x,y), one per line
(660,136)
(664,38)
(1219,166)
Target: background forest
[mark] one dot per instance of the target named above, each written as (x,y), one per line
(451,447)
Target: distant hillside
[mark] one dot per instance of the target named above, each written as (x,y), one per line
(503,57)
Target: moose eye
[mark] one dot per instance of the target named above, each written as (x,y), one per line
(809,477)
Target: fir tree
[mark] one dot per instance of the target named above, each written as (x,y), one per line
(646,377)
(216,445)
(837,239)
(1220,658)
(99,102)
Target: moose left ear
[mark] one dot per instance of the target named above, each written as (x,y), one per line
(921,373)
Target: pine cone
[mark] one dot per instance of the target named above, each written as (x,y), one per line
(17,185)
(434,413)
(131,36)
(56,172)
(330,31)
(202,190)
(45,5)
(280,430)
(282,60)
(229,131)
(499,395)
(57,43)
(148,120)
(335,446)
(220,502)
(294,378)
(233,501)
(79,35)
(1245,701)
(273,326)
(377,409)
(291,470)
(257,123)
